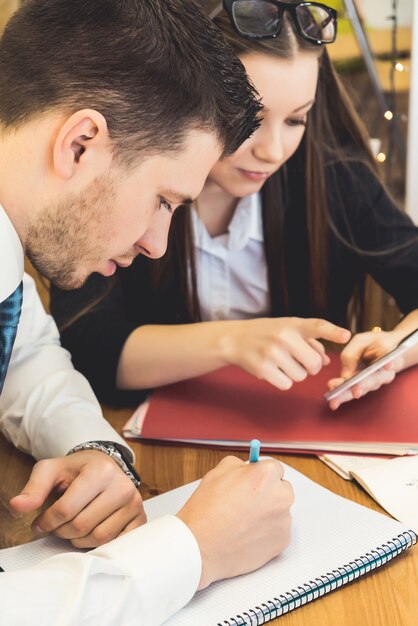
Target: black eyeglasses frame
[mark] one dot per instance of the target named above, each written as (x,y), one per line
(282,7)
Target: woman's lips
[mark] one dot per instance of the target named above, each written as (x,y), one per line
(254,176)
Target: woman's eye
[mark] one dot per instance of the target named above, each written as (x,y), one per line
(296,122)
(165,203)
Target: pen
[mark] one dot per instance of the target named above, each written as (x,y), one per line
(254,450)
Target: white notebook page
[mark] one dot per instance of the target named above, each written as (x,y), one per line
(34,552)
(394,484)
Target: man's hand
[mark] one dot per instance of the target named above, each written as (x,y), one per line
(98,501)
(240,517)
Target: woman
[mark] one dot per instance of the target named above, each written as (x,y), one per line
(285,229)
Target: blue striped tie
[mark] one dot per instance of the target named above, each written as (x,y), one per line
(9,319)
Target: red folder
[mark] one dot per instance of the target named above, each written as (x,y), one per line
(229,407)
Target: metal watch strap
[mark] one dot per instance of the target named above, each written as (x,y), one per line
(112,450)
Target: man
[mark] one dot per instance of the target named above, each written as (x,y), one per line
(112,113)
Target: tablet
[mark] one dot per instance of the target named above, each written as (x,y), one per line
(406,343)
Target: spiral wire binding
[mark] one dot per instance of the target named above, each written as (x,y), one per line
(326,583)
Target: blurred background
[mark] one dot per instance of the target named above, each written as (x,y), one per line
(373,56)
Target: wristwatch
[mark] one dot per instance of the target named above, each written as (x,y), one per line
(115,452)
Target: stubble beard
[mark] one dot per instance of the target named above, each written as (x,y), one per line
(66,239)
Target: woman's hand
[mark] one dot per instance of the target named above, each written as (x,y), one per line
(280,350)
(365,348)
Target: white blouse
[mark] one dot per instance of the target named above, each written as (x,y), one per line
(231,269)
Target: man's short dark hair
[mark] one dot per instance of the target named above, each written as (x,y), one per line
(154,68)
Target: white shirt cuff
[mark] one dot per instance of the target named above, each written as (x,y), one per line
(167,565)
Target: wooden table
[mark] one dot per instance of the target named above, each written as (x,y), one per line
(388,597)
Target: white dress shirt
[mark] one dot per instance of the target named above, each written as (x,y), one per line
(231,269)
(46,408)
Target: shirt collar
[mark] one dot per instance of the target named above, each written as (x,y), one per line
(11,257)
(246,224)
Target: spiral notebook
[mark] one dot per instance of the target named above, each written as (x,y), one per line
(334,541)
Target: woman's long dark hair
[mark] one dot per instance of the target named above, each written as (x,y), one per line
(334,133)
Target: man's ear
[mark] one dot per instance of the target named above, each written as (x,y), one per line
(82,144)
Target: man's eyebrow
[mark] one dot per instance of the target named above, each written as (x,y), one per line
(176,197)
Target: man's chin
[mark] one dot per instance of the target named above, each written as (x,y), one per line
(63,280)
(68,283)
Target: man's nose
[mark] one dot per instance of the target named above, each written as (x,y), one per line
(154,240)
